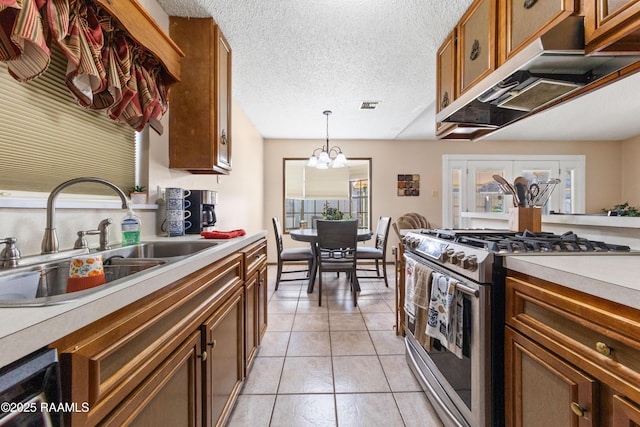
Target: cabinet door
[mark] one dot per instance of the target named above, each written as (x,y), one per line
(200,119)
(476,43)
(529,19)
(625,413)
(607,23)
(251,319)
(262,301)
(446,72)
(171,395)
(543,390)
(224,343)
(223,100)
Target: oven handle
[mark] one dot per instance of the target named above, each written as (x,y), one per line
(467,290)
(432,391)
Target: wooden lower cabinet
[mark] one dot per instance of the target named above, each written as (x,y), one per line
(543,389)
(571,359)
(263,301)
(224,342)
(176,357)
(176,384)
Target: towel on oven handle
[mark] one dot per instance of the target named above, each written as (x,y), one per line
(446,313)
(422,276)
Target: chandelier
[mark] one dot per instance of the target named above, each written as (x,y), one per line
(327,156)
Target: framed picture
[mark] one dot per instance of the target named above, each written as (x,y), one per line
(408,185)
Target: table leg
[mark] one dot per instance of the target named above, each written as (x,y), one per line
(314,269)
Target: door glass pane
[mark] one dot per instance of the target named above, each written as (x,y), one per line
(488,197)
(456,179)
(568,190)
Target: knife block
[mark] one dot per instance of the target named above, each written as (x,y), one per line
(521,219)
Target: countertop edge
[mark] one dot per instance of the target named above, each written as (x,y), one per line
(30,328)
(570,272)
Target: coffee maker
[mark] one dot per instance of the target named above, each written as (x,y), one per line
(203,212)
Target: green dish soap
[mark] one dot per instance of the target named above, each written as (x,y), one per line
(130,229)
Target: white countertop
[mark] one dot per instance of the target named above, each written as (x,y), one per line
(26,329)
(612,277)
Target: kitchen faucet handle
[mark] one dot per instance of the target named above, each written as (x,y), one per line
(81,241)
(10,254)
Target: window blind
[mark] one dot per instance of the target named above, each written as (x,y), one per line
(46,138)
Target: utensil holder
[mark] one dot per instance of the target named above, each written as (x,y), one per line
(522,218)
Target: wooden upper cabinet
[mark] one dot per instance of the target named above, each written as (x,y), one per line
(200,116)
(446,72)
(477,43)
(525,20)
(612,26)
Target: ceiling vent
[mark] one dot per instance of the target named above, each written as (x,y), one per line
(369,105)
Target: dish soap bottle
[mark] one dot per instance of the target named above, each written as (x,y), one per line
(130,228)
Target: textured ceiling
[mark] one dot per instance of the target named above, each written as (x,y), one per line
(293,59)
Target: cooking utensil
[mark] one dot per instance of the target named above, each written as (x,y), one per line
(532,193)
(521,191)
(546,188)
(506,187)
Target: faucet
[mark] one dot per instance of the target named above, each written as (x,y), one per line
(10,254)
(50,238)
(103,231)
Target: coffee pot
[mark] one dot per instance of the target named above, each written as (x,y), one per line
(203,213)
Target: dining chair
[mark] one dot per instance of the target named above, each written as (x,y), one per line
(337,251)
(378,252)
(292,255)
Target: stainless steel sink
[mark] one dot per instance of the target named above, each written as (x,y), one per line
(159,250)
(46,284)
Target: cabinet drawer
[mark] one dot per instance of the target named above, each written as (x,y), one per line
(597,335)
(255,256)
(477,43)
(529,19)
(113,356)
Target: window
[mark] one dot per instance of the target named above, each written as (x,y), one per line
(310,193)
(46,138)
(468,184)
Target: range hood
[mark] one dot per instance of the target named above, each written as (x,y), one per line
(549,68)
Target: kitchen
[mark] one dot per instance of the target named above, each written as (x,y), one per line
(256,159)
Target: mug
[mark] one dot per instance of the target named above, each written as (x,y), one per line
(178,204)
(176,228)
(175,193)
(177,214)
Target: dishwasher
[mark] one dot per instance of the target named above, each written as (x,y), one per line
(30,391)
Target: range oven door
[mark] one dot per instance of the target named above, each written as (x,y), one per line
(459,388)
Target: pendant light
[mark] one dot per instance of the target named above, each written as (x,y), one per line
(327,156)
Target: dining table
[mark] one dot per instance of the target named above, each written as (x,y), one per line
(310,235)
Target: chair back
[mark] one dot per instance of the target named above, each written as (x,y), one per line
(337,240)
(382,232)
(277,230)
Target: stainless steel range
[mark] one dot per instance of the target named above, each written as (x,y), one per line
(454,304)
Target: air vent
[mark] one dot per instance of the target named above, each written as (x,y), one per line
(369,105)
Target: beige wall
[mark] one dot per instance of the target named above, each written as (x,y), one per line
(630,182)
(390,158)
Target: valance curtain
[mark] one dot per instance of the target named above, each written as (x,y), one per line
(106,70)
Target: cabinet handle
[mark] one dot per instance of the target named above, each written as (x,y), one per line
(528,4)
(604,349)
(445,100)
(223,137)
(475,50)
(577,409)
(212,344)
(203,356)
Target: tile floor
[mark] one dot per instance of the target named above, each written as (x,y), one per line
(334,365)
